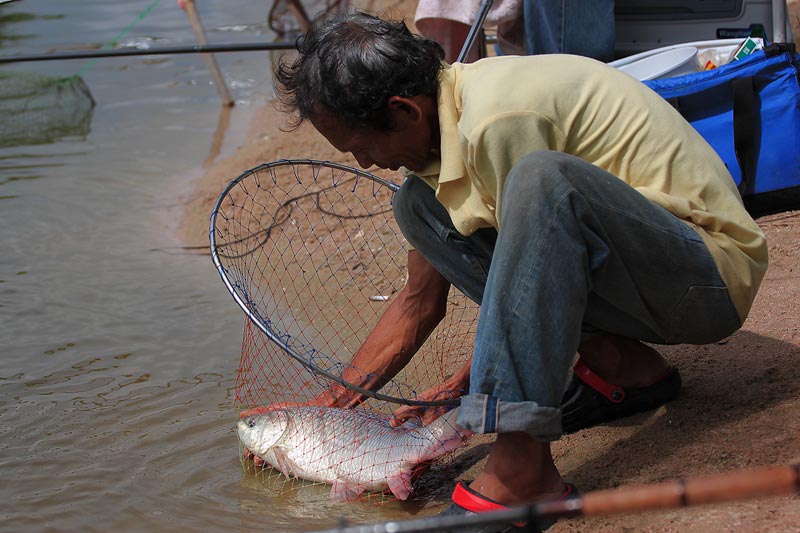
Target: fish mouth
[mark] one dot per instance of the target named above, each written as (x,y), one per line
(242,428)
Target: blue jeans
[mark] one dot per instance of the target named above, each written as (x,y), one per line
(579,253)
(577,27)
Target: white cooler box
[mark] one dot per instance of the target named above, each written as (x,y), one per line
(643,25)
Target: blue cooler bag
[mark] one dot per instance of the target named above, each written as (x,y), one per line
(749,112)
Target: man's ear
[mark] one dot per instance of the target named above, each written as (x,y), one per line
(405,111)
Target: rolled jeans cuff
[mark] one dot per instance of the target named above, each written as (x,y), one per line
(483,413)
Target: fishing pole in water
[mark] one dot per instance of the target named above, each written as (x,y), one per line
(214,48)
(195,49)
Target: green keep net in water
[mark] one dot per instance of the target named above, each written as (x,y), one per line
(39,109)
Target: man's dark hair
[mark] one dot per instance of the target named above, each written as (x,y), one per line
(350,64)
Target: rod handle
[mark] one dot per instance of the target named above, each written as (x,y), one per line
(726,487)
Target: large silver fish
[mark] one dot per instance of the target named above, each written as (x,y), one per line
(352,449)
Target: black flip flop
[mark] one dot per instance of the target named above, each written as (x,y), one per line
(589,400)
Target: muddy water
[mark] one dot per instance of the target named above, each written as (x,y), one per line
(118,354)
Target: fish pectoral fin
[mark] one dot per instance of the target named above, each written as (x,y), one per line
(342,492)
(400,485)
(283,463)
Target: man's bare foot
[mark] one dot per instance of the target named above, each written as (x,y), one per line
(615,378)
(519,471)
(623,362)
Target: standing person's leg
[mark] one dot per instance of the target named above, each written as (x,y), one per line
(579,251)
(570,27)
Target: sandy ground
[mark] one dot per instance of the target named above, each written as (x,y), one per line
(738,408)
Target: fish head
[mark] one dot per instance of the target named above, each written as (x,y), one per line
(258,433)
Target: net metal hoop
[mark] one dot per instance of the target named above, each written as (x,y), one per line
(275,337)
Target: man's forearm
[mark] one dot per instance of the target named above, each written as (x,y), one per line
(400,332)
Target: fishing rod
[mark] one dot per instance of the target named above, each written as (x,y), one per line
(194,49)
(475,29)
(719,488)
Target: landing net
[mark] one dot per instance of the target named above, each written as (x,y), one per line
(311,253)
(38,108)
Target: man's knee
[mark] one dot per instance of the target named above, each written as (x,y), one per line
(544,159)
(539,176)
(546,166)
(548,176)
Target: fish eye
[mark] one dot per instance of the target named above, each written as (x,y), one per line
(251,423)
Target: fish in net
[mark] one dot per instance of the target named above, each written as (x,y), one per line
(311,252)
(353,450)
(39,109)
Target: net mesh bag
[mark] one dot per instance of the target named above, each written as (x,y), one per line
(312,254)
(38,109)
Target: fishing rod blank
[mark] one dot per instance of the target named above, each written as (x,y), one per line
(474,30)
(195,49)
(718,488)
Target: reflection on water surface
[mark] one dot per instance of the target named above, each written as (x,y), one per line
(118,362)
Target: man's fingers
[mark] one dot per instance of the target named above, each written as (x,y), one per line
(397,420)
(403,415)
(400,416)
(257,461)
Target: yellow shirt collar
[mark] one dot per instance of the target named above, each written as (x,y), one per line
(449,166)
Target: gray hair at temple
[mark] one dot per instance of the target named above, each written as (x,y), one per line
(351,64)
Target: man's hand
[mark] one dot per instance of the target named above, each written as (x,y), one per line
(453,387)
(401,330)
(335,396)
(425,414)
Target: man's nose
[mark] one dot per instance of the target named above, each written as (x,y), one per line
(363,161)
